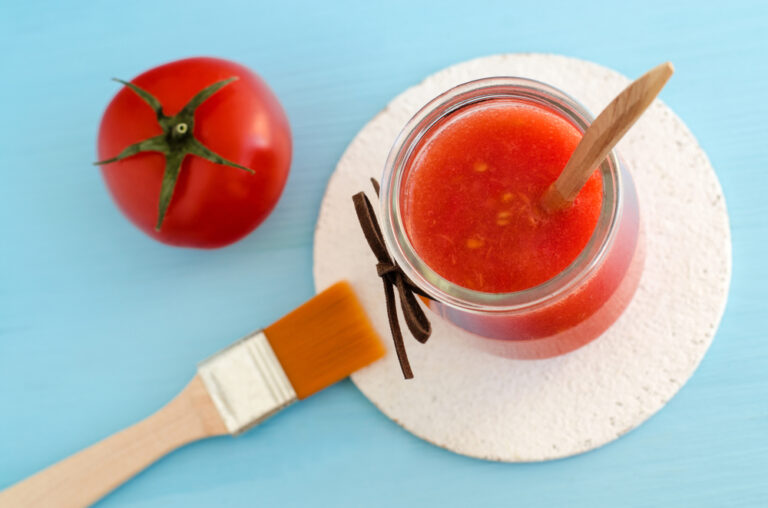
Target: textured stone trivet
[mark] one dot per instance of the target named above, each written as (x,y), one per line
(468,400)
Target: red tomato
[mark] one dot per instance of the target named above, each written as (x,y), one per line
(213,205)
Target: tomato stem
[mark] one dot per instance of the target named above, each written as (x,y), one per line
(176,142)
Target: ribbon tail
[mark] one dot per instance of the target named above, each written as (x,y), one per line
(415,318)
(397,336)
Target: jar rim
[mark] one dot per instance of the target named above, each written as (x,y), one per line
(441,289)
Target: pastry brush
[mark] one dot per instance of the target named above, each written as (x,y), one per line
(321,342)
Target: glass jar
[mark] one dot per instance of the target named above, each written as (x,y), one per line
(561,314)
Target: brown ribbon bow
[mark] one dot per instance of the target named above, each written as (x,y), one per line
(393,276)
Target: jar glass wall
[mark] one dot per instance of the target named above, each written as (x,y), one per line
(566,311)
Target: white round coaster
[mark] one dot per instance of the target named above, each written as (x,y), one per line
(471,401)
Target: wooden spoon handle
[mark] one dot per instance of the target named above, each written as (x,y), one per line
(87,476)
(607,129)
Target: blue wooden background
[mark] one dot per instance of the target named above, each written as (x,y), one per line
(100,325)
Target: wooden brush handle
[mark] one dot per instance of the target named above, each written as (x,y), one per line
(607,129)
(84,478)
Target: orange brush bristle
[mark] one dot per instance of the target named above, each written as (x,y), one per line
(324,340)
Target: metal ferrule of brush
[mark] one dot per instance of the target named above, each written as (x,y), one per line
(246,382)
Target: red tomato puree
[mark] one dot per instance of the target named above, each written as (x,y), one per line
(471,202)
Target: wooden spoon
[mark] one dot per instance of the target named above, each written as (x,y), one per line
(607,129)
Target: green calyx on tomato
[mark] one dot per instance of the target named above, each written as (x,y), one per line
(176,142)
